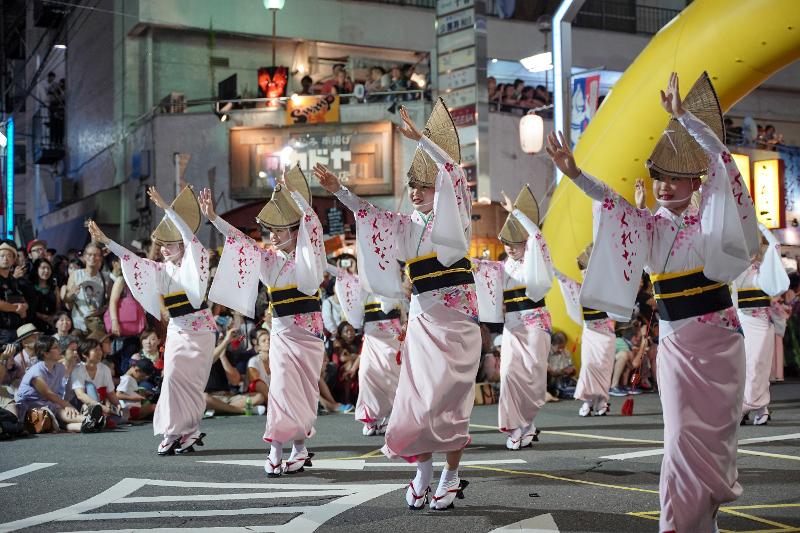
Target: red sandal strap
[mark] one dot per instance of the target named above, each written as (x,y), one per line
(414,493)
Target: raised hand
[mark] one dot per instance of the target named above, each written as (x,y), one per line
(96,233)
(206,201)
(671,100)
(156,197)
(640,195)
(507,204)
(409,129)
(558,149)
(326,178)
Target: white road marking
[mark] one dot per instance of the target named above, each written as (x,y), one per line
(755,440)
(309,519)
(538,524)
(33,467)
(360,464)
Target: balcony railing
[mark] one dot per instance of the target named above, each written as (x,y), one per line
(48,136)
(625,17)
(429,4)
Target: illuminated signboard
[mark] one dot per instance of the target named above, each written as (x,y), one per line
(768,192)
(743,162)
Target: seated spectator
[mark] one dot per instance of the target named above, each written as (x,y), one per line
(43,386)
(13,306)
(92,382)
(627,359)
(560,368)
(375,83)
(306,83)
(258,372)
(151,347)
(135,401)
(346,350)
(25,358)
(7,392)
(42,295)
(63,324)
(222,392)
(70,360)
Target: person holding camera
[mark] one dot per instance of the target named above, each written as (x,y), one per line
(13,306)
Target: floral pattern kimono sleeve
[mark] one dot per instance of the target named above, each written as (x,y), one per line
(571,291)
(194,270)
(310,251)
(236,284)
(772,277)
(621,248)
(489,288)
(143,278)
(351,296)
(452,202)
(537,267)
(378,233)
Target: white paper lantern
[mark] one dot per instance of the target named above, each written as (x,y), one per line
(274,4)
(531,133)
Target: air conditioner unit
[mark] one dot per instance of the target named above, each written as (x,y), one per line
(174,103)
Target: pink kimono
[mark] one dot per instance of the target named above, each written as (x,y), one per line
(598,345)
(189,347)
(441,352)
(379,370)
(526,332)
(755,288)
(296,348)
(691,258)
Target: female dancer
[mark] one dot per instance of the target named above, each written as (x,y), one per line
(292,270)
(755,288)
(525,277)
(379,370)
(691,253)
(441,352)
(597,345)
(180,282)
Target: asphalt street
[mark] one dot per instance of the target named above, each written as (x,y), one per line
(585,474)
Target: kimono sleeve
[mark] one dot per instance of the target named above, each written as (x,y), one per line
(772,277)
(621,246)
(236,283)
(571,291)
(378,233)
(537,267)
(310,251)
(452,202)
(194,270)
(351,296)
(489,289)
(143,278)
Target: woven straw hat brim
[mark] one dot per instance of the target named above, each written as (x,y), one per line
(281,211)
(186,206)
(440,129)
(512,231)
(677,153)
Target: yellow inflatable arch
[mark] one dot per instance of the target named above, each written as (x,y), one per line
(740,43)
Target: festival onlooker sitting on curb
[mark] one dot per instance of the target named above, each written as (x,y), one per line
(135,401)
(225,381)
(92,382)
(70,359)
(42,295)
(43,386)
(346,348)
(63,323)
(627,359)
(258,372)
(560,369)
(13,307)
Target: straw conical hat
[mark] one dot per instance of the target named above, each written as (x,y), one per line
(677,153)
(513,232)
(583,257)
(282,211)
(186,206)
(442,131)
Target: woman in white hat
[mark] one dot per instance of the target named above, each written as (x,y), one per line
(180,284)
(442,347)
(691,252)
(292,269)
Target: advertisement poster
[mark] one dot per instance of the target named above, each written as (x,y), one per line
(585,92)
(312,109)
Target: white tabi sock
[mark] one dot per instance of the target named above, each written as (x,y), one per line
(299,449)
(448,480)
(275,452)
(424,475)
